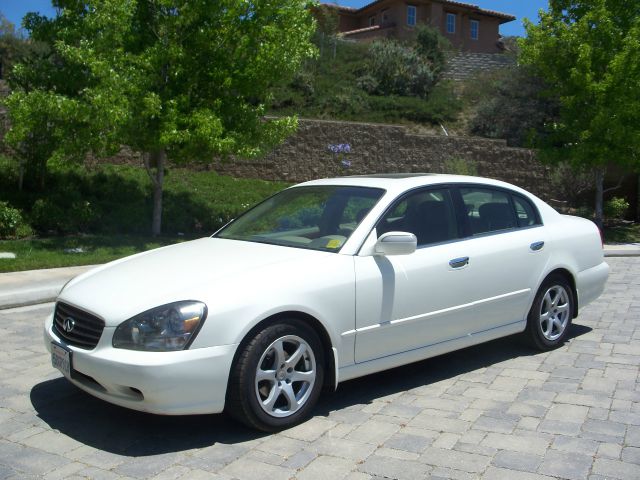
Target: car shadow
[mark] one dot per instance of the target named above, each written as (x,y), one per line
(118,430)
(364,390)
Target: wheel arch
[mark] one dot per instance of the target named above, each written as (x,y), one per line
(569,277)
(305,318)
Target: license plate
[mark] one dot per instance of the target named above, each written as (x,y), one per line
(61,359)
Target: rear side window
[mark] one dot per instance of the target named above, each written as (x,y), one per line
(488,210)
(525,212)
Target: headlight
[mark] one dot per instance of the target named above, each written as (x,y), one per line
(167,328)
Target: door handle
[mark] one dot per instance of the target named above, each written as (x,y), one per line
(536,246)
(459,262)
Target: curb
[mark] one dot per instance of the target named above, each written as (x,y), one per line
(32,287)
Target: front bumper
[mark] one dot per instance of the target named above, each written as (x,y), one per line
(168,383)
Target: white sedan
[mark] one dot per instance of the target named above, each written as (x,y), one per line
(324,282)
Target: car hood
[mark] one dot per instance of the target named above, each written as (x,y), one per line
(186,271)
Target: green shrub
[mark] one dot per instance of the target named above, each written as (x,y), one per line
(400,70)
(10,220)
(460,166)
(616,208)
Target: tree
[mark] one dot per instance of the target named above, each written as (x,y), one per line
(172,79)
(588,52)
(511,104)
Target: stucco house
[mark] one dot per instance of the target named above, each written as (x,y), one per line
(468,27)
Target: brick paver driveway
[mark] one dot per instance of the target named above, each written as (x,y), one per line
(497,411)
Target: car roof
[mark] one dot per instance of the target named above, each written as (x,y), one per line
(398,182)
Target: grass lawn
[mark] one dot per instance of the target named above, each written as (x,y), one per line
(33,254)
(622,233)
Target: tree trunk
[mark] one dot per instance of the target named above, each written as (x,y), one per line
(21,175)
(638,201)
(159,159)
(599,217)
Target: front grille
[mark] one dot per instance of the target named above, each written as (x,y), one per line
(86,329)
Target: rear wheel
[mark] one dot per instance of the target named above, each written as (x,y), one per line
(278,377)
(551,313)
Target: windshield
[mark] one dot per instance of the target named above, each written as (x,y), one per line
(317,218)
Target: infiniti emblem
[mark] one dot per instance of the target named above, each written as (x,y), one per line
(69,324)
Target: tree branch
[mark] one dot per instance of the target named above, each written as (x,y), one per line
(616,187)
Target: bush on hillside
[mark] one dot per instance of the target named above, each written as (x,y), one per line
(400,70)
(512,104)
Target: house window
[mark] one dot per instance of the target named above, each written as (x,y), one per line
(475,29)
(451,23)
(372,21)
(411,15)
(385,17)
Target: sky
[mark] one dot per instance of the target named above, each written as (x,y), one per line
(14,10)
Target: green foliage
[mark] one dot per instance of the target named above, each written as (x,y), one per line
(431,45)
(179,78)
(327,19)
(112,199)
(343,88)
(511,104)
(10,220)
(460,166)
(588,53)
(400,70)
(616,208)
(35,253)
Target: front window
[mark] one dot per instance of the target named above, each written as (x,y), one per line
(451,23)
(428,214)
(411,15)
(475,29)
(316,218)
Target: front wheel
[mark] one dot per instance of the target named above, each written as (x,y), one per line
(277,378)
(551,313)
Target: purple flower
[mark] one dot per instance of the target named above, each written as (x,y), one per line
(346,163)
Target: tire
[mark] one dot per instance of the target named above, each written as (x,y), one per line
(550,316)
(277,378)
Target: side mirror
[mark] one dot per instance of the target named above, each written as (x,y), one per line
(396,243)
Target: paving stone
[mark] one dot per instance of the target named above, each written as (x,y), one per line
(575,445)
(524,444)
(560,427)
(372,432)
(245,469)
(495,473)
(341,447)
(631,455)
(310,430)
(299,460)
(616,469)
(567,413)
(439,424)
(467,462)
(410,443)
(517,461)
(491,424)
(386,467)
(572,466)
(326,468)
(446,440)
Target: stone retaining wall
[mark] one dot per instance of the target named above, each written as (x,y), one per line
(387,148)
